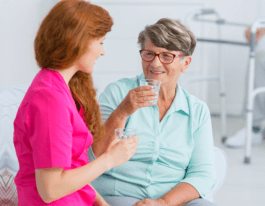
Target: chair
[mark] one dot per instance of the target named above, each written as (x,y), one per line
(10,99)
(220,167)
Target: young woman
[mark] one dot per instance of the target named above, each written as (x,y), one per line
(59,117)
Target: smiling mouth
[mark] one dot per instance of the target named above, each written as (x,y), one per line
(156,72)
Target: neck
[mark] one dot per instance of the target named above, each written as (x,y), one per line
(167,95)
(67,74)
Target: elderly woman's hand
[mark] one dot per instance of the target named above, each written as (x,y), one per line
(151,202)
(137,98)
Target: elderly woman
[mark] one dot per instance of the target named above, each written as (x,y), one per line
(174,161)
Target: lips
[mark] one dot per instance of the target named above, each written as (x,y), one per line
(160,72)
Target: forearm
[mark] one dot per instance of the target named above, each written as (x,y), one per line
(180,195)
(117,119)
(75,179)
(99,200)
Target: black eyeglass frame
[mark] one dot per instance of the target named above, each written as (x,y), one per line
(174,55)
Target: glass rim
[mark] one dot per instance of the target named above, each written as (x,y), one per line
(151,80)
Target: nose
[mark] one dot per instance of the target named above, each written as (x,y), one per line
(156,62)
(103,52)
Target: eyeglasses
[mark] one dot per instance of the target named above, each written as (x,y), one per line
(164,57)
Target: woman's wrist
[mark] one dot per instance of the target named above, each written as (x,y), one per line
(162,202)
(120,114)
(107,161)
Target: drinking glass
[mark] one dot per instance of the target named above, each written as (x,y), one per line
(155,86)
(124,133)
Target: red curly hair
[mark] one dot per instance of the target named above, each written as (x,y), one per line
(63,37)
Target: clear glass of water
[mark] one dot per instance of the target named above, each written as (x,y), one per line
(155,86)
(124,133)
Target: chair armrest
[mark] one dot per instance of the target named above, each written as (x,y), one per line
(221,170)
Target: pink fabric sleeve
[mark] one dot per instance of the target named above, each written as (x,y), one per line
(50,129)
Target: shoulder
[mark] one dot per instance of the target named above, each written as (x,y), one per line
(199,112)
(47,105)
(194,101)
(51,98)
(197,108)
(47,93)
(120,87)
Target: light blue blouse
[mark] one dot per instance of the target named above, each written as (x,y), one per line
(182,141)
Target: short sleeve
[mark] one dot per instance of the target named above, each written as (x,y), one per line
(50,129)
(201,169)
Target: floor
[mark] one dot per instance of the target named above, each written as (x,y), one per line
(244,184)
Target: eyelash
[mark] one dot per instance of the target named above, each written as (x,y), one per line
(101,43)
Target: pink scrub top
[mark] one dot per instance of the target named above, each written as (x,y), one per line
(50,132)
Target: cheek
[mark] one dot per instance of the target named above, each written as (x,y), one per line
(99,53)
(145,65)
(87,62)
(174,68)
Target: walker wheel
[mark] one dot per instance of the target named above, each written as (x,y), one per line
(223,139)
(247,160)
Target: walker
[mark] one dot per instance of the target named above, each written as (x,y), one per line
(221,78)
(252,93)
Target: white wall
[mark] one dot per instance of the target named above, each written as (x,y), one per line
(20,19)
(19,22)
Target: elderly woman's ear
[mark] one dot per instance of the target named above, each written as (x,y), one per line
(186,62)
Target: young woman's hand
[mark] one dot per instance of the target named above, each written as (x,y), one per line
(137,98)
(120,151)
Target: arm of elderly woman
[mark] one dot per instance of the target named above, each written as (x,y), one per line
(115,120)
(112,116)
(118,116)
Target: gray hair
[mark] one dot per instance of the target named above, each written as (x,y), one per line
(169,34)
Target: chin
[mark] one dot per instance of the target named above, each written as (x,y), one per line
(89,70)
